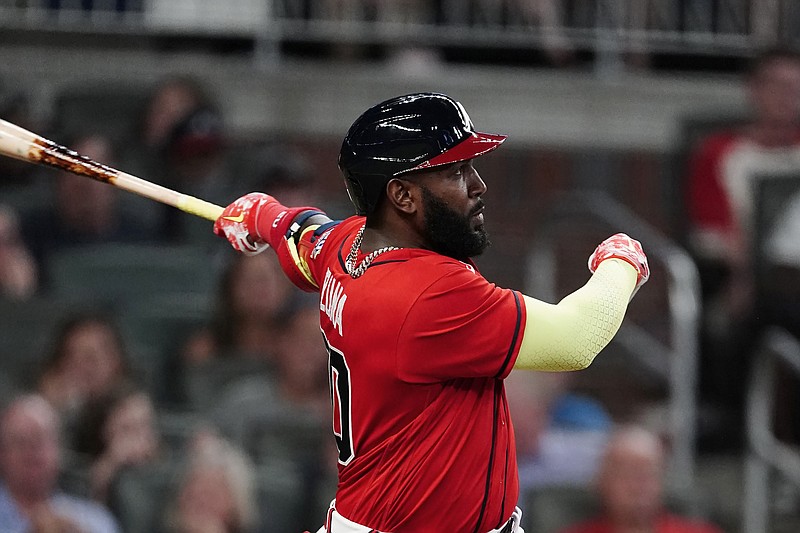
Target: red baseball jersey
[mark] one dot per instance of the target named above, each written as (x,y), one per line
(418,348)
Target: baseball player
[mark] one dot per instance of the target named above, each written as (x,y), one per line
(418,341)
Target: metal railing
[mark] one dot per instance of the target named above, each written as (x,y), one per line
(675,362)
(766,453)
(607,27)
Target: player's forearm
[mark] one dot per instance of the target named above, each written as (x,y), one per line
(568,335)
(284,229)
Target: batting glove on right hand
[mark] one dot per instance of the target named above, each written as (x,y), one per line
(237,224)
(620,246)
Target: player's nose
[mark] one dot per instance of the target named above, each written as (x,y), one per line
(477,187)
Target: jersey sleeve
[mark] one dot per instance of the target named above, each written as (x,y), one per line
(461,326)
(309,247)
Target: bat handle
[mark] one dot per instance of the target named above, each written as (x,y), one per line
(198,207)
(184,202)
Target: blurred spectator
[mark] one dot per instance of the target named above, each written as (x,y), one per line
(194,152)
(283,173)
(630,486)
(303,391)
(721,223)
(241,338)
(88,361)
(287,418)
(85,211)
(196,162)
(171,100)
(302,363)
(216,493)
(251,301)
(30,500)
(19,276)
(724,164)
(116,431)
(560,434)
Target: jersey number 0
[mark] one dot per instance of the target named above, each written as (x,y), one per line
(339,377)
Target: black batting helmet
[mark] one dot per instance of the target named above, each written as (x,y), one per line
(403,134)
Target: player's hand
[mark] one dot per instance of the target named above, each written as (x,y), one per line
(237,224)
(620,246)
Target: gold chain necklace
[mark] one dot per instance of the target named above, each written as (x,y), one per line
(350,263)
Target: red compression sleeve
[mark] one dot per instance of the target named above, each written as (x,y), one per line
(275,223)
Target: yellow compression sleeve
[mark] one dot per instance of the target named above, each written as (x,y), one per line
(568,335)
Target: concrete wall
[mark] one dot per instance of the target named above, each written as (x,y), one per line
(535,107)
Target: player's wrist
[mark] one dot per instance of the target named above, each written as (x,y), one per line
(625,267)
(622,248)
(623,261)
(264,217)
(273,222)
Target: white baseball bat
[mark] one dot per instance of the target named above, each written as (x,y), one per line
(25,145)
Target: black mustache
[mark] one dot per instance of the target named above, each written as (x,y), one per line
(480,205)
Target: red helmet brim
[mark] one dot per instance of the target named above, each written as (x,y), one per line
(471,147)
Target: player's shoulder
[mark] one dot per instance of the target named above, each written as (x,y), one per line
(434,265)
(436,275)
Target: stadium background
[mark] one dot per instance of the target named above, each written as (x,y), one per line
(601,101)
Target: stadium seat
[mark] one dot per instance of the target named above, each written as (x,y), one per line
(176,429)
(279,495)
(140,496)
(119,274)
(550,509)
(26,328)
(155,327)
(228,381)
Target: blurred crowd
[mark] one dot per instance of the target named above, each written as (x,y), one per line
(215,417)
(210,421)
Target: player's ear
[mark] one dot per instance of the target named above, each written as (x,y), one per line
(403,195)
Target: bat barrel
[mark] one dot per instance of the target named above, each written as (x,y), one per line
(22,144)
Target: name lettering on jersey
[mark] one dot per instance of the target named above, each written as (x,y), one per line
(318,246)
(332,299)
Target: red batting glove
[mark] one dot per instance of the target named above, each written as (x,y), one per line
(620,246)
(238,223)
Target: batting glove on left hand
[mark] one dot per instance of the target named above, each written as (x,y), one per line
(237,224)
(620,246)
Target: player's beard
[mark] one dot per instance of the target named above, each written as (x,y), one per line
(449,233)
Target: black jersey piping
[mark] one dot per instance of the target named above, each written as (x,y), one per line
(514,337)
(485,501)
(339,255)
(505,471)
